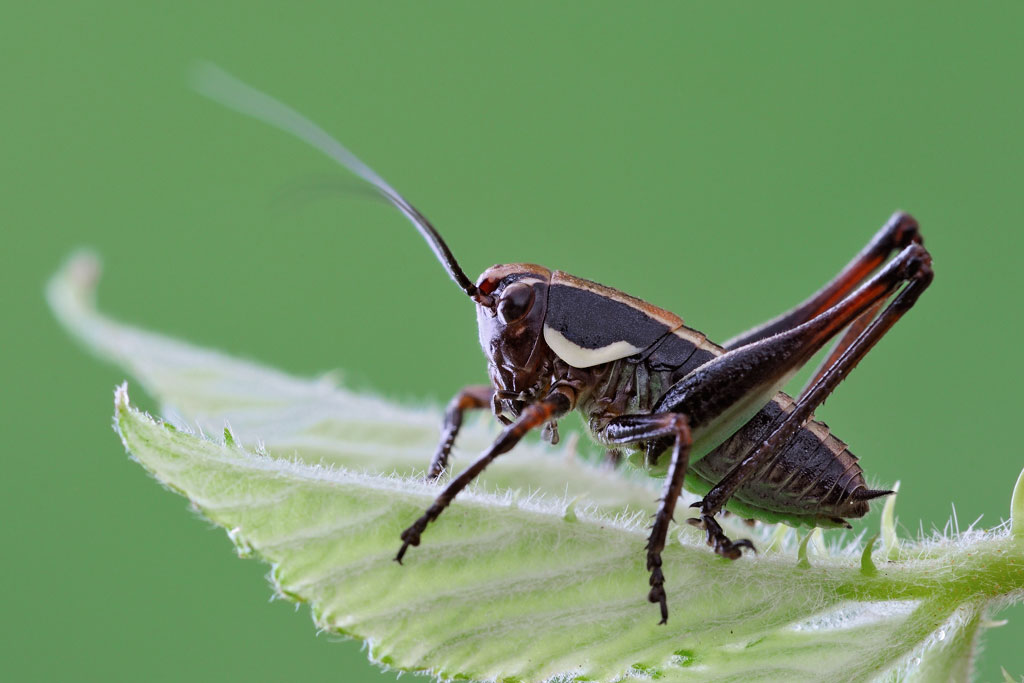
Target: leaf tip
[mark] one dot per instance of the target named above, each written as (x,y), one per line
(242,546)
(818,541)
(83,269)
(867,566)
(121,407)
(890,541)
(1017,508)
(801,554)
(570,511)
(74,283)
(816,538)
(121,402)
(778,538)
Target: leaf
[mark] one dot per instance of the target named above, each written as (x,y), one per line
(1017,508)
(539,573)
(316,420)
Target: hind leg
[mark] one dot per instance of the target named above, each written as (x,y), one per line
(721,394)
(900,231)
(918,272)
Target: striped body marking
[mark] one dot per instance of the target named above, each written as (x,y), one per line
(588,324)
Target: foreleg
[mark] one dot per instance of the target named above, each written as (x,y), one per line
(556,404)
(470,398)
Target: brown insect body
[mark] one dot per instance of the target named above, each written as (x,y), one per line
(815,481)
(643,380)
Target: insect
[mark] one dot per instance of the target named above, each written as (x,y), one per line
(712,417)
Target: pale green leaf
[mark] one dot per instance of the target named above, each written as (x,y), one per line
(539,572)
(1017,508)
(890,541)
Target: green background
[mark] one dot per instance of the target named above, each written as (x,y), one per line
(720,162)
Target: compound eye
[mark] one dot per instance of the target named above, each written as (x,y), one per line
(515,303)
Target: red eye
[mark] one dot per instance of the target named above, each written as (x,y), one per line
(515,303)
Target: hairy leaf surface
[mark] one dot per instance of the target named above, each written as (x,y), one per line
(538,573)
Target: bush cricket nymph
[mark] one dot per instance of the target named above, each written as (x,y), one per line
(711,417)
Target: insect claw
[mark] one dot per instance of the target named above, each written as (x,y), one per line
(411,537)
(729,552)
(401,553)
(744,543)
(657,592)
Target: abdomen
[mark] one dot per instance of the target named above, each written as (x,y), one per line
(814,481)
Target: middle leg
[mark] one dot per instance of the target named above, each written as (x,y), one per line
(629,429)
(557,403)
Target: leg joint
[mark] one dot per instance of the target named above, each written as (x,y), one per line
(903,230)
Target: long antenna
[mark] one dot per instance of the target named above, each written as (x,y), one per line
(213,82)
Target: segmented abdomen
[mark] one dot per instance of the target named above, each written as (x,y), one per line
(815,480)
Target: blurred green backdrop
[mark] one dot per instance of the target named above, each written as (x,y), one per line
(720,162)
